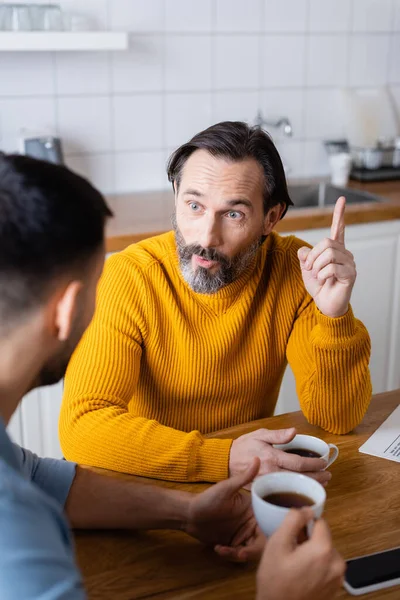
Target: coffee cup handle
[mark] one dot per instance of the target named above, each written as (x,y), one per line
(332,455)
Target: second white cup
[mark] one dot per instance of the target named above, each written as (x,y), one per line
(269,516)
(328,452)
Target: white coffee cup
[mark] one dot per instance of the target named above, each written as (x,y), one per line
(309,442)
(270,516)
(340,168)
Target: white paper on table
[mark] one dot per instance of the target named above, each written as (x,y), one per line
(385,441)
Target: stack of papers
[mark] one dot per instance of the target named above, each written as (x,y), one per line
(385,442)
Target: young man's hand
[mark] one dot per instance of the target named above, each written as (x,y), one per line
(223,517)
(307,571)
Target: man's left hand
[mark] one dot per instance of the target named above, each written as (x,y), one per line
(223,517)
(328,269)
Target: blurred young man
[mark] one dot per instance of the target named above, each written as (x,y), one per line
(51,256)
(194,328)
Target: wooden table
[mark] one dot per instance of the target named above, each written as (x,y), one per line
(363,511)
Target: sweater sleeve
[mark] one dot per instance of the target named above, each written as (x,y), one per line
(329,358)
(96,428)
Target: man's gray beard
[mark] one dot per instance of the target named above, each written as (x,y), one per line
(201,280)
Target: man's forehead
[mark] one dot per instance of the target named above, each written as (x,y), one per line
(206,173)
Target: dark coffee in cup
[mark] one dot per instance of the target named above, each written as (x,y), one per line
(303,452)
(288,499)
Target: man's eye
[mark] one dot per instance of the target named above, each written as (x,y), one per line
(234,214)
(194,206)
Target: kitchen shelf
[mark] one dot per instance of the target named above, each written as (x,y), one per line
(58,41)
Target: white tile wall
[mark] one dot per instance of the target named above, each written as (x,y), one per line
(26,75)
(19,114)
(329,16)
(323,50)
(94,73)
(291,152)
(395,93)
(188,63)
(98,168)
(233,106)
(136,15)
(285,102)
(131,130)
(368,60)
(184,16)
(283,60)
(185,115)
(394,64)
(314,158)
(192,63)
(139,171)
(372,15)
(285,15)
(323,114)
(237,15)
(84,123)
(236,62)
(141,68)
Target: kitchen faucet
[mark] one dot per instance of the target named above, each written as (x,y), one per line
(282,121)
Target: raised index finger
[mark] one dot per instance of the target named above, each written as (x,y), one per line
(337,228)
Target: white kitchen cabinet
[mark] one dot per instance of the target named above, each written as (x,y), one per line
(375,301)
(35,422)
(15,426)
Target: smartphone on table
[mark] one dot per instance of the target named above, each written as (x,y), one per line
(373,572)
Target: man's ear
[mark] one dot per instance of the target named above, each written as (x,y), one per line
(66,309)
(272,217)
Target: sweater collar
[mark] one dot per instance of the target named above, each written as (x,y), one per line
(220,301)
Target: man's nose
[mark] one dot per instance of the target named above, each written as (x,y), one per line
(210,233)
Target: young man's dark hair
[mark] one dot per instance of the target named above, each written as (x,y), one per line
(51,220)
(236,141)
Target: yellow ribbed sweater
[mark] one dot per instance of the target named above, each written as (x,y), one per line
(161,365)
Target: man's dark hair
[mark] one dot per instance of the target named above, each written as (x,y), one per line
(51,221)
(237,141)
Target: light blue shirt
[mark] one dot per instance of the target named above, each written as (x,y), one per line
(36,552)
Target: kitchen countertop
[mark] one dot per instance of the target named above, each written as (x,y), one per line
(144,214)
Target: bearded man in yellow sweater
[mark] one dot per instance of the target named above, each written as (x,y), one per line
(193,328)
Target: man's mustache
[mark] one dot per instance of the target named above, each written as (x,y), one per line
(186,252)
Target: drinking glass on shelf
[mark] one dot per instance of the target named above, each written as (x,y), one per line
(36,11)
(79,22)
(53,19)
(47,17)
(15,17)
(5,17)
